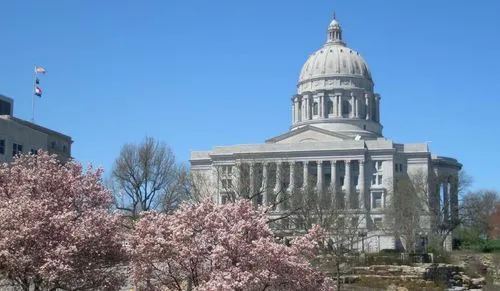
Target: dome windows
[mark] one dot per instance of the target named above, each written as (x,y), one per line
(329,106)
(315,108)
(346,108)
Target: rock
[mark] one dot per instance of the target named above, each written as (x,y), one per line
(393,287)
(477,282)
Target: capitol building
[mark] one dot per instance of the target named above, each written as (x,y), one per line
(334,148)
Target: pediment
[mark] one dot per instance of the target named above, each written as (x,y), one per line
(308,133)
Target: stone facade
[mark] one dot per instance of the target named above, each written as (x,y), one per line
(335,147)
(20,136)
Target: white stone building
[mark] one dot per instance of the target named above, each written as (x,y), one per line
(336,141)
(21,136)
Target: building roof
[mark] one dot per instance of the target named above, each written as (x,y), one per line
(36,127)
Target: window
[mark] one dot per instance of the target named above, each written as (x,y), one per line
(16,149)
(377,199)
(226,170)
(377,179)
(226,184)
(341,181)
(329,105)
(53,145)
(315,108)
(355,181)
(345,107)
(2,146)
(378,222)
(401,167)
(33,151)
(65,148)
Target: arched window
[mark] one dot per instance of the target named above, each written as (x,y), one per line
(315,108)
(329,105)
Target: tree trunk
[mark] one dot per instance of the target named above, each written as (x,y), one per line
(339,283)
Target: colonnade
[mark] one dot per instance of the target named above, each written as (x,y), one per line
(361,107)
(346,181)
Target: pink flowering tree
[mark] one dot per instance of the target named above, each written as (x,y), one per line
(220,247)
(56,231)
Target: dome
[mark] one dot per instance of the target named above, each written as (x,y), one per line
(333,65)
(334,23)
(335,91)
(334,60)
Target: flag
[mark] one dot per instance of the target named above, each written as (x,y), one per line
(40,70)
(38,91)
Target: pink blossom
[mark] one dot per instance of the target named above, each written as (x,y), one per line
(55,227)
(219,247)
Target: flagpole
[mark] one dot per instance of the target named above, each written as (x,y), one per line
(33,95)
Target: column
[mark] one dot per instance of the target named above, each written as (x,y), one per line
(251,188)
(218,195)
(291,185)
(357,107)
(265,198)
(454,198)
(347,184)
(305,176)
(319,180)
(293,113)
(321,105)
(296,108)
(333,183)
(306,107)
(367,104)
(237,177)
(277,188)
(446,201)
(330,99)
(353,106)
(377,107)
(338,101)
(361,183)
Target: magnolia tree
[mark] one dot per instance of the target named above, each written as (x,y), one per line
(220,247)
(55,229)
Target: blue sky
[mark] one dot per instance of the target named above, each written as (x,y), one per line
(197,74)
